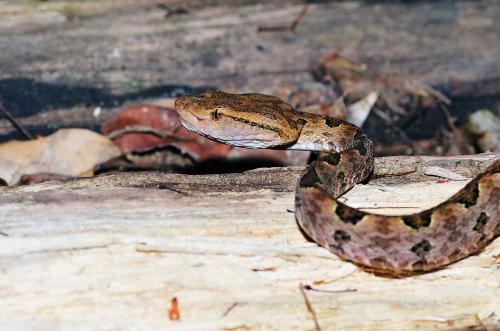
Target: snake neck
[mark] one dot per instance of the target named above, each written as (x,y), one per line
(321,133)
(350,153)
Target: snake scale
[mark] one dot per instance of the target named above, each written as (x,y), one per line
(387,245)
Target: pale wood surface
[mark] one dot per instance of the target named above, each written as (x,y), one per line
(109,253)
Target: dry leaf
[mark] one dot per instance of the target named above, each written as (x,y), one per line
(396,92)
(359,111)
(71,152)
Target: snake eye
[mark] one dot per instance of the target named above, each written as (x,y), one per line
(215,115)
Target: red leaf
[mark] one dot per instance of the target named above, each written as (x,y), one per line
(166,122)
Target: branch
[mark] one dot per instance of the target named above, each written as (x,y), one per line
(13,121)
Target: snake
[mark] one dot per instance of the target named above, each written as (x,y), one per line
(394,246)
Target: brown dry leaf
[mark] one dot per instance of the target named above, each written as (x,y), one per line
(397,92)
(359,111)
(313,97)
(70,152)
(336,66)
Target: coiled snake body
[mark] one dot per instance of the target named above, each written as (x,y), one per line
(389,245)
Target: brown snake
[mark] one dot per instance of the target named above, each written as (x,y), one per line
(388,245)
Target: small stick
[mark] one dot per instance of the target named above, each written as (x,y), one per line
(172,11)
(310,288)
(163,186)
(393,174)
(449,118)
(396,129)
(457,136)
(13,121)
(309,307)
(229,309)
(290,28)
(299,17)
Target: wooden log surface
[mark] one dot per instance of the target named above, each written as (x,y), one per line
(111,252)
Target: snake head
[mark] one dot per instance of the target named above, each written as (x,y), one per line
(245,120)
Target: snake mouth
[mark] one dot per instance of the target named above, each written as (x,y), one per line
(198,118)
(190,119)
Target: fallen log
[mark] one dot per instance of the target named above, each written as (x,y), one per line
(162,251)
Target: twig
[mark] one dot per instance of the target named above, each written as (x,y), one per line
(318,282)
(229,309)
(310,288)
(396,129)
(299,17)
(146,129)
(163,186)
(290,28)
(393,174)
(16,124)
(264,269)
(414,84)
(170,12)
(309,307)
(395,107)
(449,118)
(459,141)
